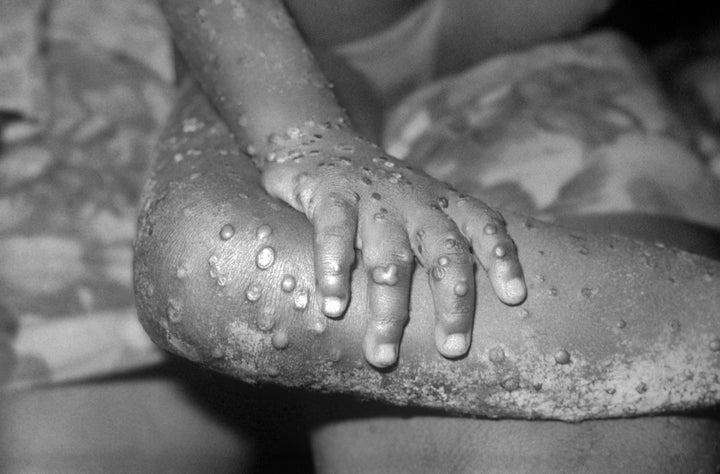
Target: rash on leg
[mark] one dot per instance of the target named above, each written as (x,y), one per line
(644,336)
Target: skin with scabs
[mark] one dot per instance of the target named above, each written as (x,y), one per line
(611,326)
(251,62)
(656,444)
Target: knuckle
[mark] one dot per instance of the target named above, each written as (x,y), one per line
(332,282)
(306,198)
(332,267)
(458,311)
(391,247)
(387,324)
(451,244)
(343,200)
(489,224)
(455,243)
(332,234)
(497,217)
(313,196)
(403,256)
(482,213)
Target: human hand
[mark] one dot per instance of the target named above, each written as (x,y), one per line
(357,197)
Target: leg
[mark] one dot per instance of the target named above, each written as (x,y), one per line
(382,441)
(365,443)
(223,276)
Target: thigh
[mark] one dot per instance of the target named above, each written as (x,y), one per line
(434,444)
(413,442)
(576,129)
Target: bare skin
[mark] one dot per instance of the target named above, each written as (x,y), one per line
(222,277)
(206,299)
(460,444)
(279,105)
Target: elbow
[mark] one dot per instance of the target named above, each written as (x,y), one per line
(186,263)
(200,290)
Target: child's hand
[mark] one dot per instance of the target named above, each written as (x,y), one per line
(358,197)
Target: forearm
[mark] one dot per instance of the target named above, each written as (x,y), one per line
(355,196)
(611,327)
(253,65)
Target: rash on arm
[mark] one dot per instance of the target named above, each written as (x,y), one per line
(224,276)
(252,64)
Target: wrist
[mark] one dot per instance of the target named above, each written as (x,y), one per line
(310,143)
(298,163)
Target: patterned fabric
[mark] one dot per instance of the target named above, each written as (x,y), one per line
(23,98)
(692,69)
(69,197)
(570,127)
(401,58)
(576,127)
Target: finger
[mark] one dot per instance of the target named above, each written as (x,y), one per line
(445,253)
(492,246)
(335,221)
(389,263)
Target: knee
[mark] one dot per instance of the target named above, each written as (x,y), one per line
(220,267)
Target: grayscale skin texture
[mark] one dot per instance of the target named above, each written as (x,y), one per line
(253,65)
(611,327)
(224,273)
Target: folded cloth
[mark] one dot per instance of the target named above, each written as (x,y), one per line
(69,197)
(23,95)
(553,129)
(692,71)
(566,128)
(401,57)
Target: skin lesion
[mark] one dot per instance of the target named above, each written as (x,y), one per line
(259,332)
(239,314)
(358,197)
(282,108)
(264,324)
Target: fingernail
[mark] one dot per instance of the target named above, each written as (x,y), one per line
(385,355)
(515,289)
(333,306)
(455,345)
